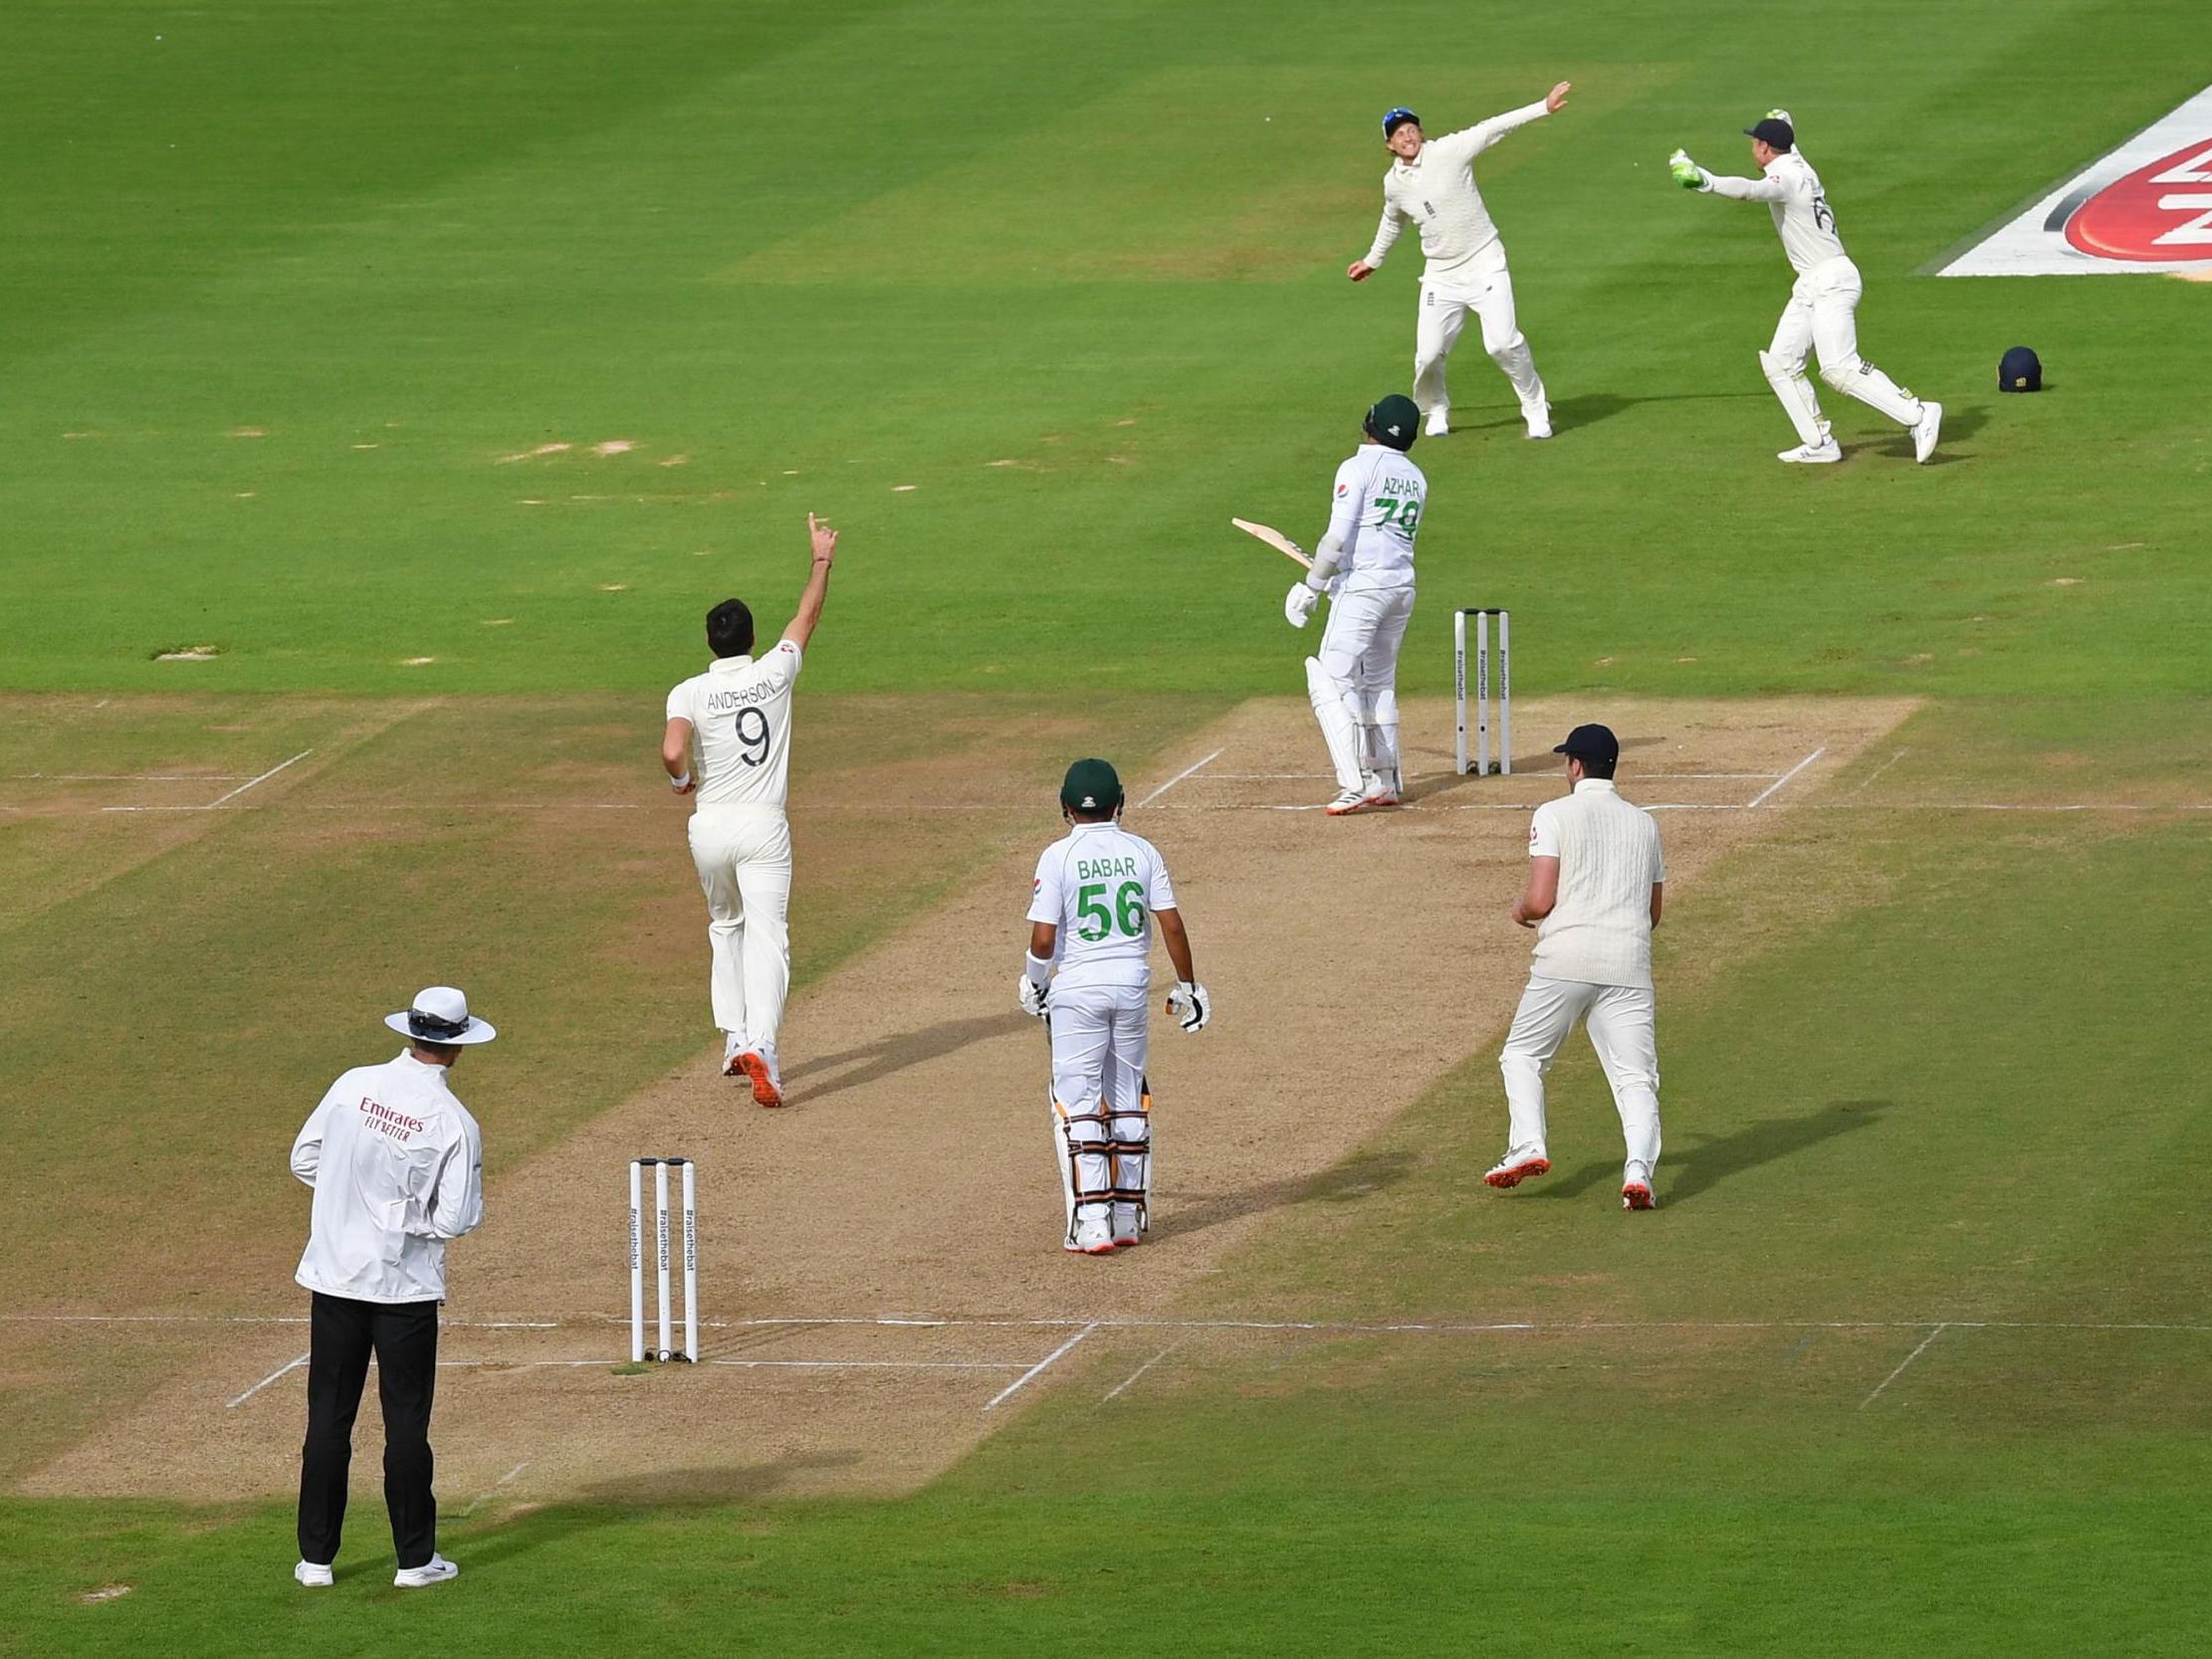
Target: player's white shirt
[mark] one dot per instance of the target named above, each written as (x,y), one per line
(1792,192)
(1099,885)
(740,720)
(1373,515)
(1435,190)
(1600,927)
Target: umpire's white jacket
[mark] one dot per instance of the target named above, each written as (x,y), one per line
(397,1167)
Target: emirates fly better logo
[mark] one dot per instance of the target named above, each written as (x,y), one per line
(2146,206)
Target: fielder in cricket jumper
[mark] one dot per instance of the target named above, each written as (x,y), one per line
(1596,882)
(1088,974)
(1431,184)
(738,716)
(1365,564)
(1822,313)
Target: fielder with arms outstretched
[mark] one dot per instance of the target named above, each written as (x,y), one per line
(1431,184)
(1365,564)
(1097,894)
(739,716)
(1596,883)
(1824,304)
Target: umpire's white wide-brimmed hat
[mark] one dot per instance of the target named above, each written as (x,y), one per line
(441,1015)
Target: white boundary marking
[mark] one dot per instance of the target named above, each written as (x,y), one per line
(262,778)
(284,1369)
(1760,798)
(1900,1371)
(1037,1369)
(1141,1369)
(485,1496)
(1878,771)
(1196,765)
(1089,1323)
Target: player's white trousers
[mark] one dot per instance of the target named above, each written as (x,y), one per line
(1623,1029)
(1102,1134)
(1358,667)
(1822,317)
(744,858)
(1483,287)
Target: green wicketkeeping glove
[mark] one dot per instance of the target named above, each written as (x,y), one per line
(1687,172)
(1780,115)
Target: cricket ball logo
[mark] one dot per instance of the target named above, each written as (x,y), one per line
(2158,212)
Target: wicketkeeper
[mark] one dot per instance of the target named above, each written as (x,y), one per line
(1824,304)
(1097,894)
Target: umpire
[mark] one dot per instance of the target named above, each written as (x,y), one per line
(397,1167)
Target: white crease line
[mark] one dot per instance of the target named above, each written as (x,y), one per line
(1878,771)
(1037,1369)
(283,1369)
(742,1365)
(1179,777)
(1141,1369)
(483,1497)
(124,778)
(262,778)
(1440,1326)
(1761,796)
(254,1318)
(1900,1371)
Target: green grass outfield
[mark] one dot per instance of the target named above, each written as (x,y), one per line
(286,284)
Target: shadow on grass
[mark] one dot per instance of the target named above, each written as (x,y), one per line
(499,1538)
(1685,1172)
(1346,1183)
(874,1062)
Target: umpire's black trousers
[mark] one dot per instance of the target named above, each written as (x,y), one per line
(342,1334)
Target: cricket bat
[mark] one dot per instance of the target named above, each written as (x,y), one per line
(1276,539)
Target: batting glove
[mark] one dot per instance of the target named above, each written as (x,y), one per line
(1298,603)
(1687,172)
(1781,115)
(1190,1006)
(1033,996)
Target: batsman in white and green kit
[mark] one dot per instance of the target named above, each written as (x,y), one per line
(1098,893)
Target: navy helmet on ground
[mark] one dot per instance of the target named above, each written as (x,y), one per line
(2020,371)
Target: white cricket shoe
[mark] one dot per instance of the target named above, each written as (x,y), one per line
(1127,1231)
(436,1571)
(1377,790)
(1439,423)
(1347,802)
(758,1062)
(1517,1167)
(732,1045)
(1539,420)
(1815,455)
(1925,428)
(1094,1235)
(1636,1186)
(315,1575)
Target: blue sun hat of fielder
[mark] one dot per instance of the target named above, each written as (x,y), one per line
(1091,787)
(1397,118)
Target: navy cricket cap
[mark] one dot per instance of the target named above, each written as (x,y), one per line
(1773,130)
(1591,743)
(1091,787)
(2020,371)
(1397,117)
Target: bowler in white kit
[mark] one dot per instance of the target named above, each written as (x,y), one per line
(1431,184)
(1365,564)
(1098,894)
(1596,883)
(737,717)
(1823,310)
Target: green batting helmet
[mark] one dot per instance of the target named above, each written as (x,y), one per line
(1091,787)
